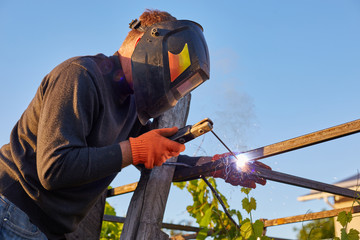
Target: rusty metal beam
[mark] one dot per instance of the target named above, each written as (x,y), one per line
(309,216)
(122,189)
(267,222)
(275,149)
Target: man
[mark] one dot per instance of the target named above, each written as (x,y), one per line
(89,119)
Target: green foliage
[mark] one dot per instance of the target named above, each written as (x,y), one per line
(317,229)
(209,215)
(249,205)
(344,219)
(110,230)
(324,229)
(352,235)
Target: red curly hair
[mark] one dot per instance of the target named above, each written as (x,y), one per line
(147,18)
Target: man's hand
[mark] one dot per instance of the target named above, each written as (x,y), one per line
(154,148)
(238,176)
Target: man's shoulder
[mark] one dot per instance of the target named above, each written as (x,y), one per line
(75,70)
(92,66)
(86,62)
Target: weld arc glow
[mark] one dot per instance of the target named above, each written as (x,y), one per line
(241,161)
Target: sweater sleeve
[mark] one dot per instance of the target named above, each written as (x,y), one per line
(70,106)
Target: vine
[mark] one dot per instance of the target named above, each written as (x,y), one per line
(344,218)
(213,221)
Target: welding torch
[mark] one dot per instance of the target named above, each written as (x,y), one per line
(191,132)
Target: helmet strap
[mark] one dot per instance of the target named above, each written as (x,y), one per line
(136,24)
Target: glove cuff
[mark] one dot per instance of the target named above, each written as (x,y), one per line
(138,150)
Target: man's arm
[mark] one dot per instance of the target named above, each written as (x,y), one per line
(70,105)
(126,154)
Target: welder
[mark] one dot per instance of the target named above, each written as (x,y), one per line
(90,118)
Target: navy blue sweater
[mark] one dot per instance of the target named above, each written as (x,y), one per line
(64,151)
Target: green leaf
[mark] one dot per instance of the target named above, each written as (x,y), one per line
(246,230)
(258,228)
(246,204)
(207,218)
(202,234)
(110,230)
(192,185)
(344,235)
(249,205)
(353,234)
(200,198)
(246,190)
(253,203)
(344,218)
(239,216)
(201,186)
(109,210)
(212,181)
(180,185)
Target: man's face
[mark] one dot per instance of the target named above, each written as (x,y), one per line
(125,52)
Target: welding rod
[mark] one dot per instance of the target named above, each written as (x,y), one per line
(304,182)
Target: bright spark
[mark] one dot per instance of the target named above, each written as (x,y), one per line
(241,161)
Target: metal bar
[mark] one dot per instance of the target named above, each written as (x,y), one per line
(122,189)
(309,216)
(304,182)
(275,149)
(267,222)
(281,177)
(111,218)
(306,140)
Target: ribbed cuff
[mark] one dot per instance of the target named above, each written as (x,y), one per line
(138,150)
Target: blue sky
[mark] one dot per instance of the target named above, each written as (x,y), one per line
(279,69)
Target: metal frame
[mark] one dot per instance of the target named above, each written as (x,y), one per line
(261,153)
(279,148)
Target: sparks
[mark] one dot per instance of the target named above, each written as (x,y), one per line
(241,161)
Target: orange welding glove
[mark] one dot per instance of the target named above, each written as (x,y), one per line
(231,174)
(154,148)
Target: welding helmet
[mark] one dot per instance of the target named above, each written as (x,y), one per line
(169,61)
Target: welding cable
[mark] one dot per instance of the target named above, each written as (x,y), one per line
(220,200)
(211,188)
